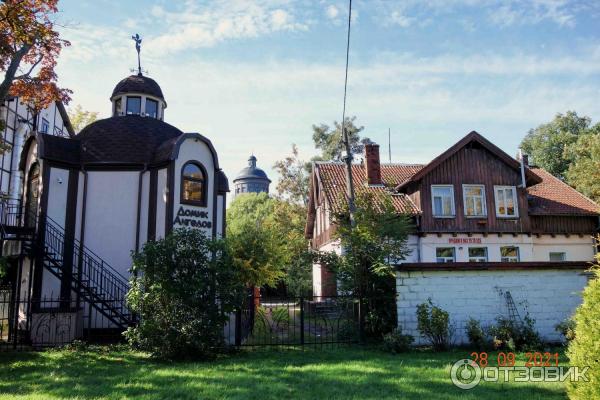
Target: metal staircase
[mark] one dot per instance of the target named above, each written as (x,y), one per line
(94,280)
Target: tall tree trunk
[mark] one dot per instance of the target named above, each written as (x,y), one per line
(11,71)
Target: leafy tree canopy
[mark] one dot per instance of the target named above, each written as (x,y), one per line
(266,237)
(183,288)
(81,118)
(584,171)
(547,143)
(329,140)
(29,49)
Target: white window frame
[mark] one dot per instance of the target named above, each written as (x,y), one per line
(445,259)
(510,258)
(483,202)
(515,201)
(452,205)
(475,258)
(562,253)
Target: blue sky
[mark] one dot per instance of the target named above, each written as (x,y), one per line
(254,75)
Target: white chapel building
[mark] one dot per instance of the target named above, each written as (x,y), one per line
(89,200)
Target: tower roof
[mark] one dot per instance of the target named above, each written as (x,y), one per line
(138,84)
(252,172)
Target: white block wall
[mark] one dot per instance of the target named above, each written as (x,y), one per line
(550,296)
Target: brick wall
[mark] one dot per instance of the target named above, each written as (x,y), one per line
(550,296)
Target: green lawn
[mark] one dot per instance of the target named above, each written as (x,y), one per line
(341,373)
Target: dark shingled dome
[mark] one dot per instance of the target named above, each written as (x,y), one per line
(252,172)
(131,139)
(138,84)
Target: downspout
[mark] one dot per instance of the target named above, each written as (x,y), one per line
(139,208)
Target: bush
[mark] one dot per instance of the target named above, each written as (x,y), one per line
(183,288)
(567,329)
(584,349)
(515,336)
(476,334)
(434,324)
(396,342)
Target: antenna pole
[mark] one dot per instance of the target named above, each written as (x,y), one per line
(390,144)
(345,139)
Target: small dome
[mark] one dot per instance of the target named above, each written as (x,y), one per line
(138,84)
(252,171)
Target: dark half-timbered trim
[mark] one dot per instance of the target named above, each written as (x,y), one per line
(152,204)
(139,210)
(70,221)
(493,266)
(41,229)
(170,197)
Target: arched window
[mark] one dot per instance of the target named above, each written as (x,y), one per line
(194,183)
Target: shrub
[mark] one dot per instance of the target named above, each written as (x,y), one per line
(584,349)
(396,342)
(434,324)
(183,288)
(515,336)
(476,334)
(567,329)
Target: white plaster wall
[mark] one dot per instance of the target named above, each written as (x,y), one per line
(195,150)
(161,202)
(57,187)
(531,248)
(576,248)
(550,296)
(316,277)
(111,216)
(79,213)
(57,195)
(220,209)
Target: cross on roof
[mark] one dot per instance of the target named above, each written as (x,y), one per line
(138,47)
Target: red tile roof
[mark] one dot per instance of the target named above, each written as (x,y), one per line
(332,176)
(554,197)
(549,197)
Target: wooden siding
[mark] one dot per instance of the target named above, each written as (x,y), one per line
(477,166)
(564,224)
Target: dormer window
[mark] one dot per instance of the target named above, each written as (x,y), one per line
(134,105)
(151,108)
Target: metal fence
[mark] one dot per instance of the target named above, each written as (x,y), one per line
(50,322)
(297,321)
(259,322)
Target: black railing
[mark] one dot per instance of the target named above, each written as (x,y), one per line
(91,276)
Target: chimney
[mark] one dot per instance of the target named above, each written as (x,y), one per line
(372,164)
(525,160)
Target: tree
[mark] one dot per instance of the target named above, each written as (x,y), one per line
(183,289)
(372,247)
(267,242)
(329,140)
(584,171)
(29,48)
(547,143)
(584,349)
(80,118)
(294,177)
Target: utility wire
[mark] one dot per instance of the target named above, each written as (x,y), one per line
(345,139)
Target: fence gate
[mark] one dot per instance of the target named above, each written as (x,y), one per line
(297,321)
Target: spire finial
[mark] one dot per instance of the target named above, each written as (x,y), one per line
(252,161)
(138,47)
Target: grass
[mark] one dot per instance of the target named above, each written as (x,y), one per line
(341,373)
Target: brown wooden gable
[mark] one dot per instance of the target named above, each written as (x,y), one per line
(475,161)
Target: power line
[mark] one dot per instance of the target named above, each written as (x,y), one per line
(348,157)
